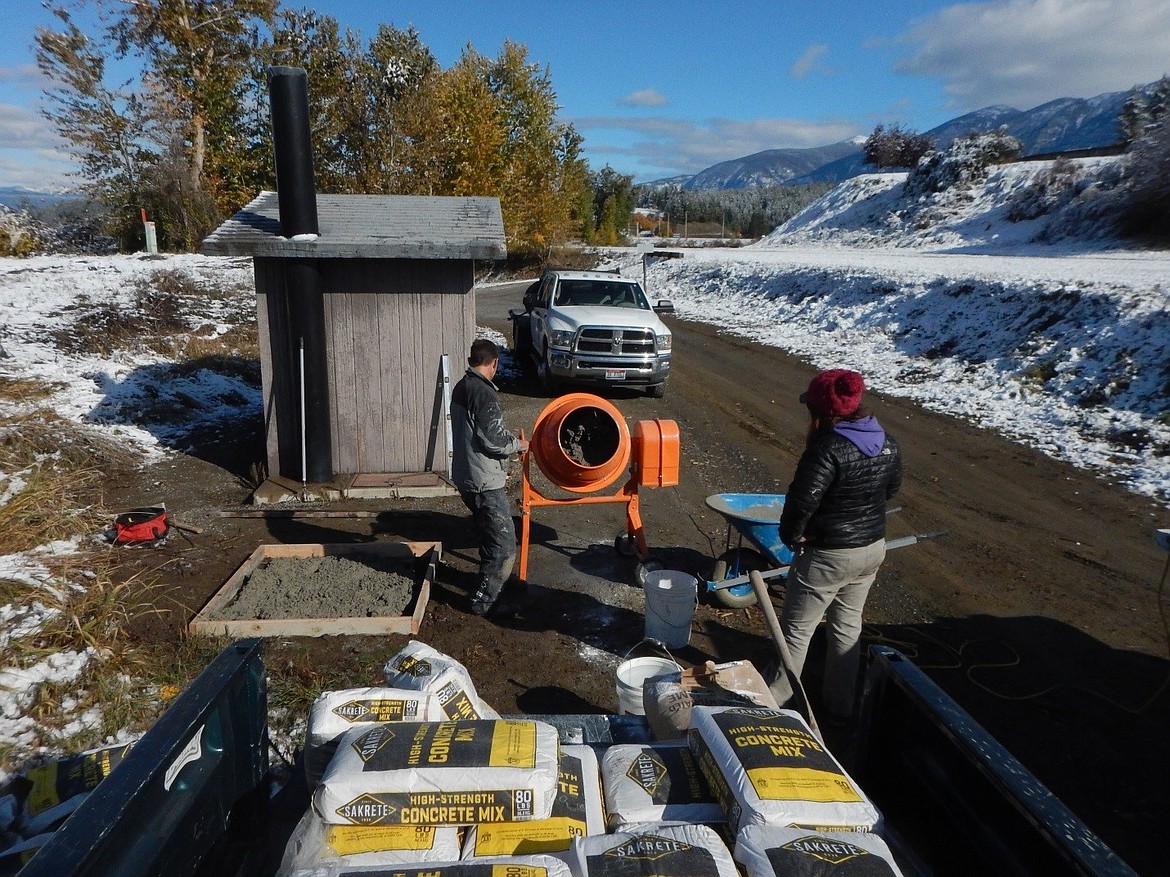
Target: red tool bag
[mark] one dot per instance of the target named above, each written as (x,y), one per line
(141,526)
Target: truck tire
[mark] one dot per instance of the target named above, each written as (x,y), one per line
(522,341)
(548,384)
(656,391)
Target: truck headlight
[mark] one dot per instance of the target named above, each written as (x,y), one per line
(561,337)
(663,341)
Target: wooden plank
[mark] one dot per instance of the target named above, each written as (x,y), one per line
(368,353)
(270,333)
(412,335)
(203,624)
(319,513)
(394,362)
(343,391)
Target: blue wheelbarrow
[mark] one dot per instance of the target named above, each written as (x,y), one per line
(755,518)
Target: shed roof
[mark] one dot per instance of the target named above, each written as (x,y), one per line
(370,226)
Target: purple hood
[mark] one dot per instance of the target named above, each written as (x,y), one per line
(866,433)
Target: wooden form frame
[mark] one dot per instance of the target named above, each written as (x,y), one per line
(204,625)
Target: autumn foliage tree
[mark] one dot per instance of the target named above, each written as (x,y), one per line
(190,139)
(179,150)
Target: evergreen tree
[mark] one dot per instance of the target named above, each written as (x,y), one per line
(613,202)
(895,147)
(1144,110)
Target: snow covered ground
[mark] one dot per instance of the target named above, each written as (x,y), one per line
(1062,346)
(1065,347)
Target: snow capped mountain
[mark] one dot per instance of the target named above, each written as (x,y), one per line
(1057,126)
(769,168)
(17,197)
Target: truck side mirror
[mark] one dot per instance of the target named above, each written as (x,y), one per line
(530,296)
(664,306)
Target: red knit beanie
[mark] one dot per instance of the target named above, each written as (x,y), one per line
(834,393)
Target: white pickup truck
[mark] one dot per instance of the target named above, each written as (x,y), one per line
(593,327)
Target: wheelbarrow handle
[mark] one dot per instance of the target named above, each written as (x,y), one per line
(901,542)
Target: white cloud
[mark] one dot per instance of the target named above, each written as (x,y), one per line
(22,128)
(1023,53)
(810,61)
(647,97)
(680,146)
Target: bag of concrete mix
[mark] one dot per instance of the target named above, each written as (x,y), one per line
(59,787)
(767,767)
(772,851)
(418,667)
(517,866)
(661,851)
(668,700)
(655,782)
(441,773)
(316,842)
(335,712)
(577,811)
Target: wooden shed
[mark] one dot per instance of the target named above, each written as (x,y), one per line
(396,273)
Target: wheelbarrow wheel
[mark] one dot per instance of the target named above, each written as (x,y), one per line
(730,565)
(645,568)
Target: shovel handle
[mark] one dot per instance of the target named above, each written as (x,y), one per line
(764,601)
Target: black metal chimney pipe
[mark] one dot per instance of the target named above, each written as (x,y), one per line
(288,95)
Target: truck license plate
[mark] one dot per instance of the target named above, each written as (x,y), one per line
(615,374)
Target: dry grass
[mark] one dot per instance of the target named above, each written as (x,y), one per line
(22,391)
(297,676)
(164,313)
(94,603)
(55,471)
(240,342)
(59,468)
(52,474)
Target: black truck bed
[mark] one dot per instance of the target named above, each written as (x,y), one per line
(193,796)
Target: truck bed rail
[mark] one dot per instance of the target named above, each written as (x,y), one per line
(190,797)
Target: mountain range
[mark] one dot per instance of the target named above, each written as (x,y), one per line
(1057,126)
(18,197)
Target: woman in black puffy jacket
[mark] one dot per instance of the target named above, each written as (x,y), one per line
(834,520)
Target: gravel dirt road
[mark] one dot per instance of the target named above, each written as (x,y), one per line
(1037,611)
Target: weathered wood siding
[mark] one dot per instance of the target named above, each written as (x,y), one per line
(387,322)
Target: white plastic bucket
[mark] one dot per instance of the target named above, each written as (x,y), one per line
(670,606)
(630,676)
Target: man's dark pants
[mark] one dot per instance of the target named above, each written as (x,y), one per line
(492,515)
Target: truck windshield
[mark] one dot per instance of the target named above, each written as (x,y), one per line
(611,293)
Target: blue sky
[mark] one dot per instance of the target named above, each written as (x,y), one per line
(662,89)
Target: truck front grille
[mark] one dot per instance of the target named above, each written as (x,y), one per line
(616,342)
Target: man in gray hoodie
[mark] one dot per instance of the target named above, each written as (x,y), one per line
(481,448)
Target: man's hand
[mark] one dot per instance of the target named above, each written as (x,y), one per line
(523,446)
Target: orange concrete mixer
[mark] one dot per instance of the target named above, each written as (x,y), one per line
(582,445)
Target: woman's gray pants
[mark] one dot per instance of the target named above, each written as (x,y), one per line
(831,583)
